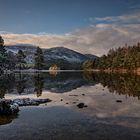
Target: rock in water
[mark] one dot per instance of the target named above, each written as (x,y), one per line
(14,108)
(119,101)
(8,107)
(81,105)
(30,102)
(25,102)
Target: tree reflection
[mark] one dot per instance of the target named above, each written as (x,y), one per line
(122,84)
(53,73)
(5,119)
(88,75)
(39,84)
(20,83)
(6,84)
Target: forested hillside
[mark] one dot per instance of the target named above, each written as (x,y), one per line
(127,57)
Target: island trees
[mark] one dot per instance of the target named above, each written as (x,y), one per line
(39,59)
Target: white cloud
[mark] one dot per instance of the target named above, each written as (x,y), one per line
(133,17)
(95,39)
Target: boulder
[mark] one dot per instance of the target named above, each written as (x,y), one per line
(8,107)
(30,102)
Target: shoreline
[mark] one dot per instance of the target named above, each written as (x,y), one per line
(135,71)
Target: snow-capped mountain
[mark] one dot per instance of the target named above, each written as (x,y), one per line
(65,58)
(28,49)
(24,47)
(64,53)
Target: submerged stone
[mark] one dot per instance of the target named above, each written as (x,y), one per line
(81,105)
(119,101)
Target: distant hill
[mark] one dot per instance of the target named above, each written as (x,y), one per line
(24,47)
(63,57)
(91,56)
(64,53)
(28,49)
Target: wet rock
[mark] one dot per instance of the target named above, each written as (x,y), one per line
(42,101)
(81,105)
(8,107)
(30,102)
(14,108)
(119,101)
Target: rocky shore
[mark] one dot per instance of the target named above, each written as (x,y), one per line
(8,107)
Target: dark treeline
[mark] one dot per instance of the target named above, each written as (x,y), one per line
(127,57)
(122,58)
(119,83)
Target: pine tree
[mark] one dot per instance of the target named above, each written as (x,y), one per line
(1,41)
(88,65)
(39,59)
(3,54)
(21,59)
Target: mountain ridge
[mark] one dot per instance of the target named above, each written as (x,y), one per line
(64,57)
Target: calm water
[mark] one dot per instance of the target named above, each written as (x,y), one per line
(113,110)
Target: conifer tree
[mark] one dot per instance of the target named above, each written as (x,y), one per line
(39,59)
(3,54)
(21,59)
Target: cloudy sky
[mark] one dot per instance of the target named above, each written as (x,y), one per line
(87,26)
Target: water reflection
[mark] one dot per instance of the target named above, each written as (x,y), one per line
(20,83)
(124,84)
(5,119)
(54,73)
(7,83)
(39,84)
